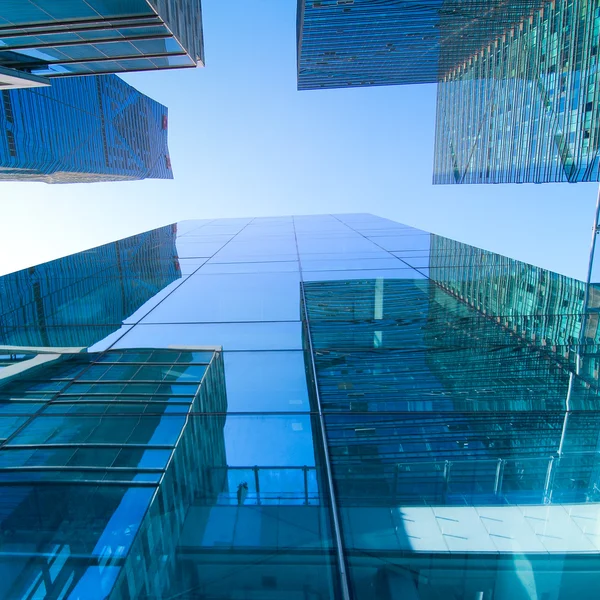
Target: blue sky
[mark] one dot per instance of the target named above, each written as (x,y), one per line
(244,142)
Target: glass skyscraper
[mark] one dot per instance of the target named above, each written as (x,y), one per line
(82,129)
(333,406)
(525,108)
(518,85)
(345,43)
(57,38)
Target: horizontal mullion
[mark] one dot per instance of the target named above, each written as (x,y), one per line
(85,445)
(120,395)
(118,381)
(94,60)
(63,468)
(150,363)
(113,402)
(32,400)
(91,23)
(186,413)
(96,482)
(92,42)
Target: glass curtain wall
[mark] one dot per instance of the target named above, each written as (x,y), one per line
(343,407)
(524,108)
(82,130)
(518,88)
(58,38)
(344,43)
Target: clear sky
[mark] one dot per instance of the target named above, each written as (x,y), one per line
(244,142)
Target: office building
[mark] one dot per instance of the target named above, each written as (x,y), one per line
(81,130)
(518,86)
(44,40)
(363,43)
(332,406)
(525,108)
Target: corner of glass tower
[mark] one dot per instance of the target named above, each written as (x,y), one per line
(106,37)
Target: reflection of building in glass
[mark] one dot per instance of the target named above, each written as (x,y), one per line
(80,299)
(51,39)
(518,82)
(426,399)
(102,473)
(81,130)
(541,307)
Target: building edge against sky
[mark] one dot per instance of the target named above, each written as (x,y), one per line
(355,43)
(518,90)
(331,406)
(81,130)
(526,108)
(86,38)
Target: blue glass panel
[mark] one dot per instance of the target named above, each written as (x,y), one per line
(231,336)
(251,267)
(232,297)
(266,381)
(351,264)
(239,257)
(406,273)
(189,248)
(404,242)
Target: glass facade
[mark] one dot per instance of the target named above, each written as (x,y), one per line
(80,130)
(345,43)
(518,87)
(79,299)
(57,38)
(332,406)
(525,108)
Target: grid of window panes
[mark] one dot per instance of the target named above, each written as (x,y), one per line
(82,130)
(449,433)
(80,37)
(427,452)
(364,42)
(525,108)
(93,446)
(423,403)
(544,307)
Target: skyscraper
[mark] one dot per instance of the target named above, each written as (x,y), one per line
(525,108)
(82,129)
(43,40)
(518,83)
(362,43)
(332,406)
